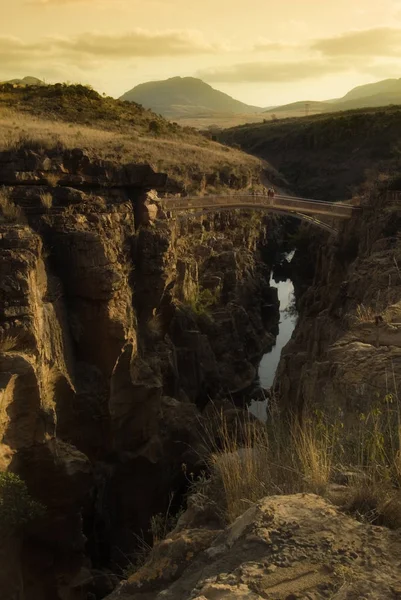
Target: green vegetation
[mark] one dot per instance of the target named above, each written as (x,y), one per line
(203,301)
(326,156)
(52,118)
(17,507)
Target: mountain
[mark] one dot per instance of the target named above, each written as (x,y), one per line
(371,95)
(186,96)
(388,87)
(26,81)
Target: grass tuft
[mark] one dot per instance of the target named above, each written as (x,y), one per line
(46,200)
(10,212)
(8,343)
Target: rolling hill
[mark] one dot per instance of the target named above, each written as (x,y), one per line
(380,93)
(66,117)
(185,97)
(324,156)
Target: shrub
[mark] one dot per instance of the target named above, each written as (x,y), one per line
(204,301)
(155,127)
(17,507)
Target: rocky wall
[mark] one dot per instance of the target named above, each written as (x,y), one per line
(345,355)
(116,329)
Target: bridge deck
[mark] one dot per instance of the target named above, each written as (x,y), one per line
(259,201)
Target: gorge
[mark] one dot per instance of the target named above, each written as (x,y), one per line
(124,331)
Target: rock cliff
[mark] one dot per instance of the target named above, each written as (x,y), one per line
(116,329)
(344,356)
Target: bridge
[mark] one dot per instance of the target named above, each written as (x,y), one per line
(306,209)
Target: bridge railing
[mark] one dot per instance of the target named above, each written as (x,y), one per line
(287,203)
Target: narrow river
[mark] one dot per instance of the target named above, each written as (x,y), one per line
(269,363)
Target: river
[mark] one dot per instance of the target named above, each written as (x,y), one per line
(269,363)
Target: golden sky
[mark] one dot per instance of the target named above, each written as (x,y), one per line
(263,52)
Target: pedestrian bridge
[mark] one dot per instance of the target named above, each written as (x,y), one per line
(302,208)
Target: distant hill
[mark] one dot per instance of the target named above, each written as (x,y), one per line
(26,81)
(388,87)
(300,107)
(184,97)
(380,93)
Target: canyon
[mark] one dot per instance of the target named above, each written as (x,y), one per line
(123,331)
(117,328)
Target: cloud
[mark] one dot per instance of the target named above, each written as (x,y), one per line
(379,42)
(359,51)
(264,45)
(139,43)
(274,71)
(58,2)
(94,49)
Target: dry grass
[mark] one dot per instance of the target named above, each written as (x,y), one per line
(249,460)
(46,200)
(239,458)
(365,314)
(314,451)
(188,157)
(52,179)
(9,212)
(8,343)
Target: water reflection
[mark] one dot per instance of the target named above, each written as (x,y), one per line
(269,363)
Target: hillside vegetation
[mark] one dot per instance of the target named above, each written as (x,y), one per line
(326,156)
(63,116)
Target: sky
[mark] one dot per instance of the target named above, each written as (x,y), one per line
(262,52)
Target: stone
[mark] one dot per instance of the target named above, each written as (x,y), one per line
(240,570)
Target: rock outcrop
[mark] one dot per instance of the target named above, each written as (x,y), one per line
(345,353)
(116,328)
(283,548)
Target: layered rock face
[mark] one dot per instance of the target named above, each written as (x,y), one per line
(345,354)
(115,331)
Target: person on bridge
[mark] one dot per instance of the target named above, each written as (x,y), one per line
(271,193)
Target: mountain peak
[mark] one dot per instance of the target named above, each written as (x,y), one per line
(185,96)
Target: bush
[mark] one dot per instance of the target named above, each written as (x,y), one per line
(204,301)
(17,507)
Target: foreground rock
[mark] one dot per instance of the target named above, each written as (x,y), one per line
(284,548)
